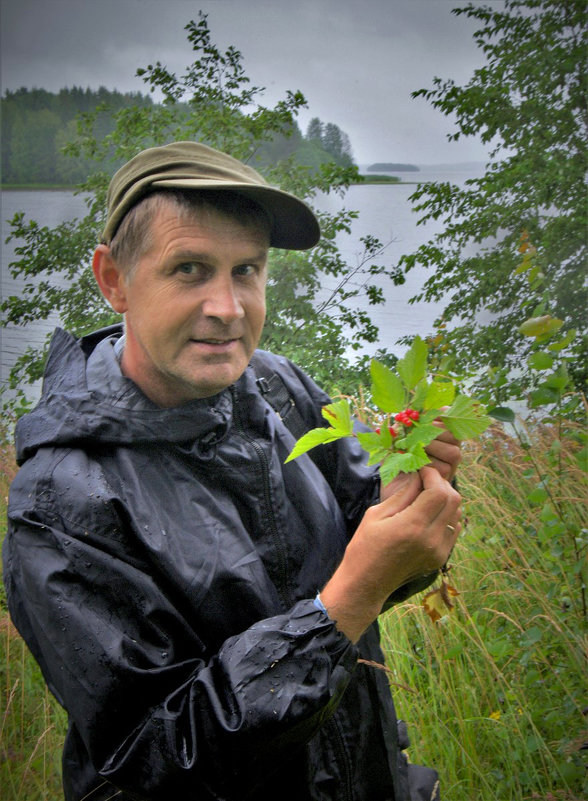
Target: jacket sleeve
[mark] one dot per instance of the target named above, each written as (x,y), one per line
(158,715)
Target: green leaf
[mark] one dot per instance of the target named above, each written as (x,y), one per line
(396,463)
(582,458)
(543,396)
(312,438)
(503,413)
(369,440)
(413,366)
(464,419)
(563,343)
(418,399)
(372,442)
(546,325)
(540,361)
(558,380)
(338,415)
(440,393)
(537,496)
(420,434)
(387,390)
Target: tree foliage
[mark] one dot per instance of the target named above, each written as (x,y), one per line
(36,124)
(528,103)
(310,295)
(331,139)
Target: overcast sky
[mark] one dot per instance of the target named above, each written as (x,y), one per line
(356,61)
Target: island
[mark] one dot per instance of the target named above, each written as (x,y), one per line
(382,166)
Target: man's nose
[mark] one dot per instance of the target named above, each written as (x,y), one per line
(223,301)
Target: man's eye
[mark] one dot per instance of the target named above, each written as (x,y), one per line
(245,270)
(188,268)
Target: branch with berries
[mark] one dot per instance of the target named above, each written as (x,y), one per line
(410,406)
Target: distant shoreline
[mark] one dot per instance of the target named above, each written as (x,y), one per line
(38,187)
(369,180)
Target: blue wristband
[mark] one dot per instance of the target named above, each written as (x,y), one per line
(320,605)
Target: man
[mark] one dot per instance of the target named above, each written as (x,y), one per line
(162,561)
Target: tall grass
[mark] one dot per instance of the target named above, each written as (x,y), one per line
(499,697)
(32,724)
(495,694)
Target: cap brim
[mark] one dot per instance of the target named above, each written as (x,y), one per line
(294,225)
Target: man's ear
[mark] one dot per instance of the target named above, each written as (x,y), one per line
(110,278)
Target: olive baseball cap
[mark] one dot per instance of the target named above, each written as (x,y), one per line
(191,165)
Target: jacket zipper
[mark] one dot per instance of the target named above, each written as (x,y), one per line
(267,499)
(342,757)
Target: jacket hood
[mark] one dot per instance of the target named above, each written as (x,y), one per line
(102,406)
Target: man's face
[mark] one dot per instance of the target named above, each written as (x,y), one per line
(194,306)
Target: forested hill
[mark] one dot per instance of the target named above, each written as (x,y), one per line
(37,124)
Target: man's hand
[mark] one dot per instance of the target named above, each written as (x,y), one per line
(445,455)
(409,534)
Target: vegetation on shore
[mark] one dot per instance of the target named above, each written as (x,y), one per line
(495,692)
(379,179)
(37,126)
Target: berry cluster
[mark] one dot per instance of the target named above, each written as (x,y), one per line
(392,431)
(408,417)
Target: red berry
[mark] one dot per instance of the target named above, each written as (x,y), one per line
(413,414)
(377,430)
(392,431)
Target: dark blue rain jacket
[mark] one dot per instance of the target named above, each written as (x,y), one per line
(161,565)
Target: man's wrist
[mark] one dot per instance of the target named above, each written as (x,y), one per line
(320,605)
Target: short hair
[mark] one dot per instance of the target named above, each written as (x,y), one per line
(134,235)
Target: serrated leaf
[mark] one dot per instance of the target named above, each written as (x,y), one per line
(440,393)
(429,416)
(413,366)
(387,390)
(338,415)
(312,438)
(376,446)
(418,399)
(368,440)
(409,462)
(377,456)
(464,418)
(422,434)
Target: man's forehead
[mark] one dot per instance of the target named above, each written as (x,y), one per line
(192,230)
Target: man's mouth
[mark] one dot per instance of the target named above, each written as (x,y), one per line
(211,341)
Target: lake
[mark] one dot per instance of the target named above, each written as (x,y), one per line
(384,211)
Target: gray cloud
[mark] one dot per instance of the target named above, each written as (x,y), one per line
(356,63)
